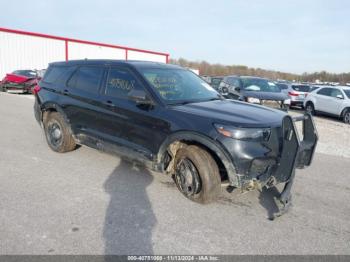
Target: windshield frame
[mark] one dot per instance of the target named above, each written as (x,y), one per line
(142,71)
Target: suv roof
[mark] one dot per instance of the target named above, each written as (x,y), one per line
(135,63)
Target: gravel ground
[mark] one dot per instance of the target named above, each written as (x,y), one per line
(87,202)
(334,135)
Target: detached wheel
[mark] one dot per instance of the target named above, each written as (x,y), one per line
(197,175)
(309,108)
(57,133)
(346,117)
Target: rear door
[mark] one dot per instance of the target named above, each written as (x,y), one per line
(81,103)
(322,99)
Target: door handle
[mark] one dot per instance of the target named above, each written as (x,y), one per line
(109,103)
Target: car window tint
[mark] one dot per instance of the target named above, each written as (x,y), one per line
(336,92)
(120,81)
(324,92)
(301,88)
(233,81)
(54,73)
(282,86)
(87,78)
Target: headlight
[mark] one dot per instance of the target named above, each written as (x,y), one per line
(248,134)
(253,100)
(286,102)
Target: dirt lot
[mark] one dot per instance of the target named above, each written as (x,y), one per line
(87,202)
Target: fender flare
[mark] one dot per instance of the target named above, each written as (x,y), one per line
(205,141)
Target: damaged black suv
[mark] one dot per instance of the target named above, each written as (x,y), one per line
(170,120)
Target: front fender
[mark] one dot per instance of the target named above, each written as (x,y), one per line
(189,136)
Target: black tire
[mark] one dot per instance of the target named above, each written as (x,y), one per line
(346,116)
(203,182)
(309,108)
(57,133)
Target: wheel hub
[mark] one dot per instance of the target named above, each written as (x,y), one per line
(55,133)
(187,178)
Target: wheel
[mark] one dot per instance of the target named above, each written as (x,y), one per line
(346,117)
(309,108)
(58,135)
(197,175)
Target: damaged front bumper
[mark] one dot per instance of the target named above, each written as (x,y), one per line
(275,161)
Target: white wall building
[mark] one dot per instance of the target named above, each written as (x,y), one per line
(27,50)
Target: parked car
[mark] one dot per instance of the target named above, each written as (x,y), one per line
(20,81)
(215,81)
(255,90)
(296,92)
(330,100)
(171,121)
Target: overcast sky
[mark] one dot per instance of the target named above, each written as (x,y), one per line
(293,36)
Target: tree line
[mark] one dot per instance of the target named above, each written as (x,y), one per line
(206,68)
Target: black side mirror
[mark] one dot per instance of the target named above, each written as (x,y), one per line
(140,97)
(237,88)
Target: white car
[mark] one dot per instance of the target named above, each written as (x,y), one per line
(330,100)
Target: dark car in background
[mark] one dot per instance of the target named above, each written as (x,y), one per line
(171,121)
(254,90)
(296,92)
(21,81)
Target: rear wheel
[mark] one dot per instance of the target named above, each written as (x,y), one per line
(58,135)
(309,108)
(346,117)
(197,175)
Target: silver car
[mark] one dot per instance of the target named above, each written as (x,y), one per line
(330,100)
(296,92)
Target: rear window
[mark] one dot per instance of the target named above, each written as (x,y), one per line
(87,78)
(54,73)
(301,88)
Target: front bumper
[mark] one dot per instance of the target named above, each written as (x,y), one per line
(274,161)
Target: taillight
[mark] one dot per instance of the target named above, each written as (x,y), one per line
(36,89)
(293,94)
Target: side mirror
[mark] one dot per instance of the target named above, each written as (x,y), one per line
(140,97)
(237,88)
(339,97)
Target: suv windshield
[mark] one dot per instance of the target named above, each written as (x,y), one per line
(259,84)
(347,92)
(27,73)
(179,86)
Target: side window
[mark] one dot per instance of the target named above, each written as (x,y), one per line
(54,73)
(336,93)
(120,82)
(87,78)
(324,92)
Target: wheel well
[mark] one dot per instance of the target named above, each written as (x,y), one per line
(176,145)
(344,110)
(46,111)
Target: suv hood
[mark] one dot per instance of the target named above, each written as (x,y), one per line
(235,113)
(265,95)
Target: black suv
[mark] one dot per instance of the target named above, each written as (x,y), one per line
(170,120)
